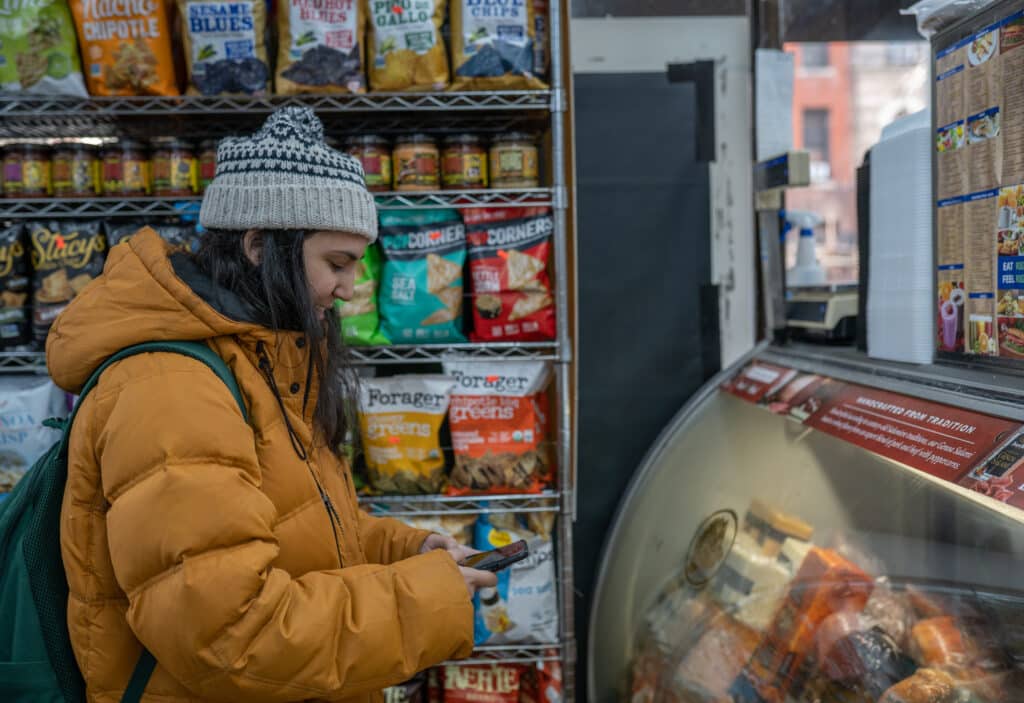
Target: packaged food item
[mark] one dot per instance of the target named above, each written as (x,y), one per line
(175,168)
(925,686)
(890,611)
(939,642)
(25,401)
(541,682)
(464,163)
(435,686)
(181,237)
(826,583)
(771,527)
(360,316)
(27,171)
(541,38)
(458,527)
(374,153)
(400,420)
(498,420)
(39,51)
(224,46)
(513,161)
(869,658)
(207,163)
(66,257)
(76,171)
(417,163)
(421,287)
(709,668)
(509,251)
(406,48)
(482,683)
(126,169)
(412,691)
(523,608)
(126,47)
(751,584)
(15,277)
(321,47)
(493,47)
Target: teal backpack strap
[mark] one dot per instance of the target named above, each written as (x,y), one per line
(200,352)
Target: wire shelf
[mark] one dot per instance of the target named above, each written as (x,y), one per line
(436,353)
(415,506)
(516,654)
(32,208)
(22,362)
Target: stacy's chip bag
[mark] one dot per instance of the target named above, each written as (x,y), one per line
(421,288)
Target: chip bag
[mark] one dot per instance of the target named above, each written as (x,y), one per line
(321,47)
(458,527)
(499,423)
(509,250)
(15,280)
(421,289)
(493,47)
(126,47)
(360,318)
(482,683)
(400,422)
(224,46)
(523,608)
(38,50)
(407,51)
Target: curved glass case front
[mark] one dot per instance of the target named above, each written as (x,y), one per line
(757,559)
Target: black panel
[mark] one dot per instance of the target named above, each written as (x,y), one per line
(648,316)
(846,20)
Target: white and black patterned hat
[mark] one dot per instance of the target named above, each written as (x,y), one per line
(286,177)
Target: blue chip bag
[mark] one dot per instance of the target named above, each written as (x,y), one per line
(523,609)
(421,290)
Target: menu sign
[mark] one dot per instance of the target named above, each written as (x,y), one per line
(979,162)
(950,443)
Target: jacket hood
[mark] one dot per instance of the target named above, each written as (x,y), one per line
(141,297)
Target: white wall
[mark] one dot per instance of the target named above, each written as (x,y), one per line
(648,44)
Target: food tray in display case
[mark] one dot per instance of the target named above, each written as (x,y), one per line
(815,526)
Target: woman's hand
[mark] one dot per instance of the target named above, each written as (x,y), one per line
(474,578)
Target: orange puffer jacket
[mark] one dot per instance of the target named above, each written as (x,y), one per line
(205,538)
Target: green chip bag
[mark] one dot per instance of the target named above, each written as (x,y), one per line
(421,290)
(360,319)
(38,49)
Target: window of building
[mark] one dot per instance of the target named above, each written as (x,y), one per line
(816,134)
(814,55)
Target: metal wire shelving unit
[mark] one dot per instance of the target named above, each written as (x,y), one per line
(39,117)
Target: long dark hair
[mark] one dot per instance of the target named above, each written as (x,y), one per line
(277,292)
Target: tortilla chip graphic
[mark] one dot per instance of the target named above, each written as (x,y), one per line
(451,298)
(363,300)
(441,273)
(523,270)
(529,304)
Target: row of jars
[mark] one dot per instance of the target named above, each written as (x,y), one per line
(165,167)
(459,162)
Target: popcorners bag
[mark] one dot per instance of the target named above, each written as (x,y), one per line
(360,317)
(493,47)
(321,47)
(39,51)
(523,609)
(400,422)
(421,290)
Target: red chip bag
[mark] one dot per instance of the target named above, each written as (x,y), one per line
(509,251)
(482,683)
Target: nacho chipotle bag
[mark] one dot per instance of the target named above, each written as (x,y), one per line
(400,422)
(406,48)
(126,47)
(321,47)
(499,421)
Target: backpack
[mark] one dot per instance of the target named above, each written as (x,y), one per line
(37,664)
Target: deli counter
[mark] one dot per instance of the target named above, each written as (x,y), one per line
(815,526)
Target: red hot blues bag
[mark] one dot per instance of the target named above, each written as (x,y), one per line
(509,250)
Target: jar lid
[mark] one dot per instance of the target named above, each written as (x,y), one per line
(128,145)
(516,137)
(374,139)
(171,143)
(27,146)
(74,146)
(462,139)
(208,144)
(418,138)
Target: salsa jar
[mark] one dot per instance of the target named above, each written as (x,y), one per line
(464,162)
(76,171)
(416,163)
(175,168)
(207,163)
(27,171)
(514,161)
(126,169)
(374,153)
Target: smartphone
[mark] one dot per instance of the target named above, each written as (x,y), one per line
(498,559)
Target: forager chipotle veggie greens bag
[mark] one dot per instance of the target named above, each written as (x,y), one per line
(406,48)
(321,47)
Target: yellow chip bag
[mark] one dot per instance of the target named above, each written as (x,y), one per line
(406,49)
(494,46)
(400,422)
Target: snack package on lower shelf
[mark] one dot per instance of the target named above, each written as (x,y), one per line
(499,426)
(459,527)
(360,316)
(25,401)
(481,683)
(15,284)
(412,691)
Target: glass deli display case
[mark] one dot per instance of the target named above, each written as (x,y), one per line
(814,527)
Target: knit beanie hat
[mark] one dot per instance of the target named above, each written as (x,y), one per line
(286,177)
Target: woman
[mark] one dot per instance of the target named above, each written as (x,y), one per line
(235,552)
